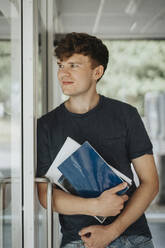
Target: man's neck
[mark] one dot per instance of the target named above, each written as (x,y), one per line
(81,105)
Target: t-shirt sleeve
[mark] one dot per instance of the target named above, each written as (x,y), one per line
(43,154)
(138,141)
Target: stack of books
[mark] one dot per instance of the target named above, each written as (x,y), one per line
(80,170)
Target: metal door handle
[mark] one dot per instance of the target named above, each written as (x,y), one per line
(49,210)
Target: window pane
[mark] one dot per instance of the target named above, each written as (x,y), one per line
(10,125)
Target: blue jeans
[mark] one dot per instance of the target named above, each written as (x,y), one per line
(134,241)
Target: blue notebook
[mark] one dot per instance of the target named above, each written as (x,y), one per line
(89,174)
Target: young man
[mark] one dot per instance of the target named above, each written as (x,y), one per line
(116,131)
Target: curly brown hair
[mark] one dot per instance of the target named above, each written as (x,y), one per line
(84,44)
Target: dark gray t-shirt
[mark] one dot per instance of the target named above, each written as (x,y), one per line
(114,129)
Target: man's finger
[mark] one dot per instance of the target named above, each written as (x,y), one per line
(118,187)
(125,197)
(85,232)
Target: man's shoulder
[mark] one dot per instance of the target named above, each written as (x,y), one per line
(49,117)
(118,106)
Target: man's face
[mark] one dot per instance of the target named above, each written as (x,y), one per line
(76,75)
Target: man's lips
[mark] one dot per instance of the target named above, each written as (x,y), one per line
(67,82)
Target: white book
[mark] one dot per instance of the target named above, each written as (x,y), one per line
(69,147)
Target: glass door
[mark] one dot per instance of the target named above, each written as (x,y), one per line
(10,125)
(26,71)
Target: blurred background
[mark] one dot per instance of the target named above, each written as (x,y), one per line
(134,32)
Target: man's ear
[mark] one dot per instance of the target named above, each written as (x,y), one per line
(98,72)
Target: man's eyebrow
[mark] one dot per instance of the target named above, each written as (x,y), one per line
(70,62)
(75,62)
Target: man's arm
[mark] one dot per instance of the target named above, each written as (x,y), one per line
(107,204)
(145,193)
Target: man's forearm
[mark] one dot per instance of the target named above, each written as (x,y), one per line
(107,204)
(66,203)
(135,208)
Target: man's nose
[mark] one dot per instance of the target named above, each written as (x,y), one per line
(65,71)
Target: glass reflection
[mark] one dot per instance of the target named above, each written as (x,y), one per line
(10,125)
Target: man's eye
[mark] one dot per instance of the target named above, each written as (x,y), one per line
(60,66)
(74,65)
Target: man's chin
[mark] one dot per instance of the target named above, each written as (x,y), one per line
(67,93)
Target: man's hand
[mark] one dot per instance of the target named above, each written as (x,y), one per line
(97,236)
(109,203)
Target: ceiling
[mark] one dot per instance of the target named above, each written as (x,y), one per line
(104,18)
(112,18)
